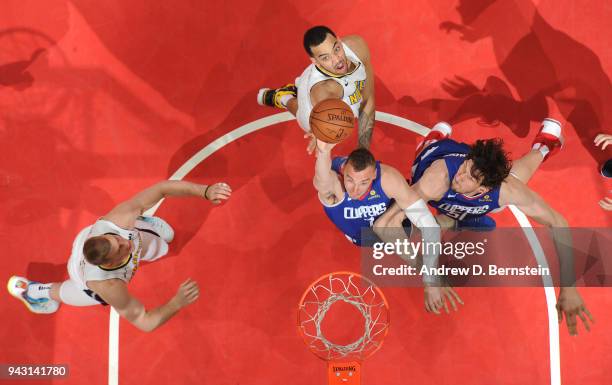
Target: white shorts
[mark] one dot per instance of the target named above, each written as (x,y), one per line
(304,103)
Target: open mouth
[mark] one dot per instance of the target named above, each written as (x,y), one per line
(340,66)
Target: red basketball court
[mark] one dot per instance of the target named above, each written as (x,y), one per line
(99,100)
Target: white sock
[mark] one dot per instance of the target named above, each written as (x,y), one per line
(542,148)
(285,99)
(39,290)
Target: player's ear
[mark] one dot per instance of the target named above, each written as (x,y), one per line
(313,60)
(482,189)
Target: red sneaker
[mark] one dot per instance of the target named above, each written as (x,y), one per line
(550,138)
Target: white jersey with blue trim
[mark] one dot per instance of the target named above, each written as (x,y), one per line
(352,84)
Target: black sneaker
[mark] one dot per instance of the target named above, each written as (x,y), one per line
(271,97)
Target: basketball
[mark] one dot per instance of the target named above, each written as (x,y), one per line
(332,121)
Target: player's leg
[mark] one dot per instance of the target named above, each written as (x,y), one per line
(279,97)
(34,295)
(393,226)
(292,106)
(155,235)
(476,223)
(385,226)
(547,143)
(45,298)
(439,131)
(71,294)
(445,222)
(157,225)
(286,98)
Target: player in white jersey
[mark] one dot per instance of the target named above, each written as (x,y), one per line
(106,255)
(340,69)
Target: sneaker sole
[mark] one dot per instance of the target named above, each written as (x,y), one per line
(260,96)
(11,284)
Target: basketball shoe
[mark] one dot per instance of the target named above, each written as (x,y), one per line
(272,97)
(549,139)
(441,130)
(18,288)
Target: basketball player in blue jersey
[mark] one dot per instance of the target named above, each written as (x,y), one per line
(356,192)
(106,255)
(466,182)
(340,69)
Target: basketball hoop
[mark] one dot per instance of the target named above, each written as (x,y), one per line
(357,297)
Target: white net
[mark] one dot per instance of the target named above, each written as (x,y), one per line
(351,289)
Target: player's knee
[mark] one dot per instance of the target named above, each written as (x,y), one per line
(54,292)
(379,226)
(385,225)
(445,222)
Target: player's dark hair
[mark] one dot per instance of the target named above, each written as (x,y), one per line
(491,162)
(360,159)
(96,250)
(315,36)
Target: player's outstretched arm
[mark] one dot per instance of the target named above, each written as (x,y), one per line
(569,304)
(367,115)
(125,213)
(415,208)
(325,180)
(115,293)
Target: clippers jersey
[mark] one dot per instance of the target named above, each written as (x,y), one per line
(452,204)
(352,215)
(352,84)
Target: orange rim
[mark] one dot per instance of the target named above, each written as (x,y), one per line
(377,290)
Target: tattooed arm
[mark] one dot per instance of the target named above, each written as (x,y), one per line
(368,106)
(366,126)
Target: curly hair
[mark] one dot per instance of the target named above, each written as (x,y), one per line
(491,162)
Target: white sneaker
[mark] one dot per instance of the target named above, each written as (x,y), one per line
(18,288)
(444,128)
(439,131)
(160,226)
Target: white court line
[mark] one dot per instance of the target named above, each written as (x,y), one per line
(113,347)
(549,292)
(200,156)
